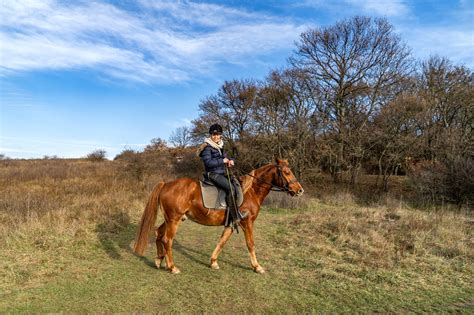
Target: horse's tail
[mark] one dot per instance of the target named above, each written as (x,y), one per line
(148,220)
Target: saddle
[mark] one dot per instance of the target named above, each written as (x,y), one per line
(214,197)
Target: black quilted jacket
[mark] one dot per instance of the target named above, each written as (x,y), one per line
(213,160)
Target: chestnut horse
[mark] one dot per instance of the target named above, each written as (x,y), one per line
(182,197)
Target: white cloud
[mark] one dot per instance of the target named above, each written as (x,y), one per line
(204,14)
(59,142)
(390,8)
(37,148)
(160,41)
(183,122)
(454,44)
(381,7)
(6,150)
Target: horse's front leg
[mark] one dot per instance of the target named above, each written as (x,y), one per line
(248,230)
(224,237)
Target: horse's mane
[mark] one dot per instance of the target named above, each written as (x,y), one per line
(247,180)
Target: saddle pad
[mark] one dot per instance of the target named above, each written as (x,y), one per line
(214,198)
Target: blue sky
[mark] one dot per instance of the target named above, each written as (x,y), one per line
(76,76)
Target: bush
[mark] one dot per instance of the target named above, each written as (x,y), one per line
(125,155)
(97,155)
(134,166)
(448,181)
(185,163)
(458,181)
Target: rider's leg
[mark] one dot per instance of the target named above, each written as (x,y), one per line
(239,215)
(222,182)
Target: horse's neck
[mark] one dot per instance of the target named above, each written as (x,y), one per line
(262,183)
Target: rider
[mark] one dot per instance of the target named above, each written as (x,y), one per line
(215,159)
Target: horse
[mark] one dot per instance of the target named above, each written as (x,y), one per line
(182,198)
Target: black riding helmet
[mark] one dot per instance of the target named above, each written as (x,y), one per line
(216,128)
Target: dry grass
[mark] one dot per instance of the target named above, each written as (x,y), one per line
(59,217)
(384,237)
(50,207)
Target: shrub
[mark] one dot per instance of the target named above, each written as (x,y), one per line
(449,181)
(185,163)
(125,155)
(97,155)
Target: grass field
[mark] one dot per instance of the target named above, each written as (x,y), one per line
(67,226)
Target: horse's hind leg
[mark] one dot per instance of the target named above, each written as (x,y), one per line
(170,232)
(160,249)
(224,237)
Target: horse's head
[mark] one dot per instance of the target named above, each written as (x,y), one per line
(285,179)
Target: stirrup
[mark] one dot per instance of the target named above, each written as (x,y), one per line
(242,215)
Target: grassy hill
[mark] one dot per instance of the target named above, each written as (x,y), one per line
(66,228)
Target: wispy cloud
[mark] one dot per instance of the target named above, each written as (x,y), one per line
(13,97)
(159,41)
(456,44)
(59,142)
(381,7)
(183,122)
(127,145)
(204,14)
(391,8)
(8,150)
(36,148)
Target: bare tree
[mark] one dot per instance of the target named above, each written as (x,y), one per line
(232,105)
(394,135)
(444,130)
(181,137)
(448,94)
(352,68)
(285,108)
(271,115)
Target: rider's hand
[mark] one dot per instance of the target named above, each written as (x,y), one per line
(226,160)
(231,163)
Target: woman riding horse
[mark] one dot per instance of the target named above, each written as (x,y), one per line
(215,162)
(183,197)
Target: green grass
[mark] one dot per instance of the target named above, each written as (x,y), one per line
(104,276)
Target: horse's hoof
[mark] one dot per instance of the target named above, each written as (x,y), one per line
(215,266)
(259,270)
(175,271)
(158,263)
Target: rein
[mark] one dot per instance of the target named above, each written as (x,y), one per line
(273,187)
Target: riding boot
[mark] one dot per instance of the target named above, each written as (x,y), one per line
(228,218)
(238,214)
(230,214)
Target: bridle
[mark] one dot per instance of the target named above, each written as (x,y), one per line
(284,188)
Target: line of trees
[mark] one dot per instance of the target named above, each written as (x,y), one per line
(352,99)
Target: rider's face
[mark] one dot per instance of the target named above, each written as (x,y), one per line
(216,137)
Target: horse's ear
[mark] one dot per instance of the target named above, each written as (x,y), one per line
(277,160)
